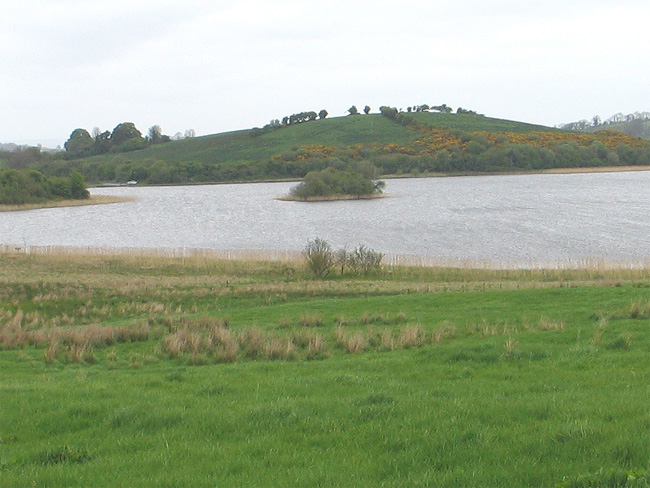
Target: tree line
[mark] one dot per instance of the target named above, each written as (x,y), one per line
(124,137)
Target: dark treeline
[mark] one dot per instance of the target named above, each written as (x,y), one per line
(18,187)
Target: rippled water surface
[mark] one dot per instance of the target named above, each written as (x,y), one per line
(514,220)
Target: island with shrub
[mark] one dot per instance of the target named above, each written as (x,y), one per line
(349,183)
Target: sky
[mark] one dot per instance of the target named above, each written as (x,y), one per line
(220,65)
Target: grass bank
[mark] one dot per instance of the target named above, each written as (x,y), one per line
(139,370)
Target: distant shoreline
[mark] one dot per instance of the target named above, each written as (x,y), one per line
(563,171)
(595,169)
(93,200)
(108,199)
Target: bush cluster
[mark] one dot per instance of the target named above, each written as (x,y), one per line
(19,187)
(321,259)
(356,180)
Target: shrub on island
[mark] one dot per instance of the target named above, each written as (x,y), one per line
(333,183)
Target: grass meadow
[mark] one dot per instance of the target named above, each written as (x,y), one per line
(141,371)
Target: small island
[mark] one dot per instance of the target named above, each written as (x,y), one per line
(351,183)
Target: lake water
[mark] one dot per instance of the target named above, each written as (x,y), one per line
(513,220)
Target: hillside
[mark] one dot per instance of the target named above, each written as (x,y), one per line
(413,143)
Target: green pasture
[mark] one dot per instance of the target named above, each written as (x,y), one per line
(406,377)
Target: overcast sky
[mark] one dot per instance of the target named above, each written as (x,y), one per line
(220,65)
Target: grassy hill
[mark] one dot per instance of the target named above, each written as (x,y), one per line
(340,132)
(420,143)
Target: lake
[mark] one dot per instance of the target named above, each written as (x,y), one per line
(505,220)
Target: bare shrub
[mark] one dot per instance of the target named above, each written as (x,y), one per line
(364,260)
(319,256)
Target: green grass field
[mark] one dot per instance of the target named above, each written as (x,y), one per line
(146,371)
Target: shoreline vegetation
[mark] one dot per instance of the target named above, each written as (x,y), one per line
(330,198)
(296,258)
(92,200)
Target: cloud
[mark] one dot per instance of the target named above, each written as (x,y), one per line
(225,65)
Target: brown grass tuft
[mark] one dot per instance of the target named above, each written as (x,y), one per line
(412,336)
(547,324)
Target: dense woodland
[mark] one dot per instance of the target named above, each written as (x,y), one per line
(420,140)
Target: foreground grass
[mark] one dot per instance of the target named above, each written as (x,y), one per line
(223,373)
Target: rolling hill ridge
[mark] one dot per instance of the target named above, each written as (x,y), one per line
(396,143)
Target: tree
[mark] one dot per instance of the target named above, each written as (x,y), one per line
(366,110)
(388,112)
(322,114)
(442,108)
(155,134)
(79,143)
(353,110)
(102,143)
(125,132)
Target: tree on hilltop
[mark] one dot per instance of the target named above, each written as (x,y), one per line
(125,132)
(80,143)
(353,110)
